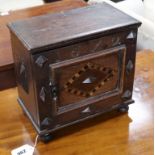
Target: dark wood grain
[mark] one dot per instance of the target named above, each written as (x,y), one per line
(131,133)
(97,65)
(6,59)
(68,27)
(51,83)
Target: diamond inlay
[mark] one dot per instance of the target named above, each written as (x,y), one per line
(42,94)
(129,66)
(88,80)
(46,122)
(87,110)
(127,94)
(22,68)
(41,61)
(131,35)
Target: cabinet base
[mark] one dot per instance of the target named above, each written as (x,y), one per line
(45,135)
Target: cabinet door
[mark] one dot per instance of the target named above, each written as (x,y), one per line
(85,80)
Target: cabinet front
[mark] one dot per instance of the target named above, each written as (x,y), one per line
(83,80)
(72,89)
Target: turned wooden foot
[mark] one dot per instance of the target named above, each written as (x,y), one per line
(123,108)
(46,138)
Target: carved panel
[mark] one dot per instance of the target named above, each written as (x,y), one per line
(83,79)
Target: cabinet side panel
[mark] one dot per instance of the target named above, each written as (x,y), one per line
(24,78)
(131,43)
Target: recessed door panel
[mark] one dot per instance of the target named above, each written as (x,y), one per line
(81,79)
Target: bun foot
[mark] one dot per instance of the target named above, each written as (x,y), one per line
(46,138)
(123,109)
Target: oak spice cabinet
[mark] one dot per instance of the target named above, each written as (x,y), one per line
(74,65)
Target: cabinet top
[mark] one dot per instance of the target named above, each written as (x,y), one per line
(59,29)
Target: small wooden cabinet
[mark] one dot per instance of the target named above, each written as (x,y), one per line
(74,65)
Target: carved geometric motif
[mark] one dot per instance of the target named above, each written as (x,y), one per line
(42,94)
(131,35)
(127,94)
(23,77)
(88,80)
(87,110)
(41,60)
(46,122)
(129,66)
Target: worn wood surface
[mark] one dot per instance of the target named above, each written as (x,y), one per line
(42,92)
(6,59)
(5,44)
(128,134)
(56,30)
